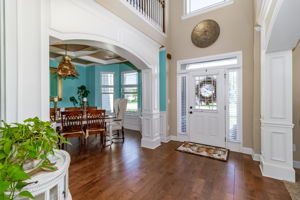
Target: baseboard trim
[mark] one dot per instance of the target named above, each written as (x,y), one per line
(256,157)
(277,172)
(150,143)
(179,138)
(165,139)
(296,164)
(247,150)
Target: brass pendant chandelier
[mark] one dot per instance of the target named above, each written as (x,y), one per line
(66,68)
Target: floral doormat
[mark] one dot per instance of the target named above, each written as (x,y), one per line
(217,153)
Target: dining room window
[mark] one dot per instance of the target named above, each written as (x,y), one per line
(107,91)
(130,90)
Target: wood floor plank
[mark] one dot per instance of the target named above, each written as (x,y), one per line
(127,171)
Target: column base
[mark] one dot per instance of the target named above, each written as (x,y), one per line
(277,171)
(150,143)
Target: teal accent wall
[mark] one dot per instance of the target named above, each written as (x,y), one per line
(93,78)
(90,76)
(69,88)
(163,80)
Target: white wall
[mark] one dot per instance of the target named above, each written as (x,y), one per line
(28,27)
(26,85)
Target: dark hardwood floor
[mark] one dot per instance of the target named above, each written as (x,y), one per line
(127,171)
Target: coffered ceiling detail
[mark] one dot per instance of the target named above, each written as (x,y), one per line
(84,54)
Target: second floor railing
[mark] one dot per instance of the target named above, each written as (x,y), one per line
(152,10)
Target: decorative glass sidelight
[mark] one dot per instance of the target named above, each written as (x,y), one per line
(183,116)
(233,99)
(206,92)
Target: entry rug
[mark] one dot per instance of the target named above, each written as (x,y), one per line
(217,153)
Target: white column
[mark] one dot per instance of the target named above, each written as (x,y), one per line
(150,111)
(276,116)
(26,67)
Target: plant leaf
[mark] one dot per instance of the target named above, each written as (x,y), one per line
(26,194)
(15,173)
(3,196)
(4,185)
(20,185)
(7,146)
(2,155)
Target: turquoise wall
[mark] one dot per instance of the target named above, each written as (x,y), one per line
(69,88)
(163,80)
(90,76)
(93,78)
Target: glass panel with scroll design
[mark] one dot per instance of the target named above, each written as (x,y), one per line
(206,92)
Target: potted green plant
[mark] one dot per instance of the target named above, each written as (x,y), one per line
(24,149)
(82,92)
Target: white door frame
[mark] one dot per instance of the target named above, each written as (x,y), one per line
(219,113)
(182,71)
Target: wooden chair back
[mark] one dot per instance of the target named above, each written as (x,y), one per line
(53,114)
(91,108)
(95,119)
(71,121)
(73,109)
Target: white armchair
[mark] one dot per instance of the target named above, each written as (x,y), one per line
(120,106)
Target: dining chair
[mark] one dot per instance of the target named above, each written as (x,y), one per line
(71,125)
(91,108)
(73,109)
(118,123)
(95,124)
(53,114)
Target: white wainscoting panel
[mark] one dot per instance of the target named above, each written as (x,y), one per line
(276,117)
(163,127)
(132,122)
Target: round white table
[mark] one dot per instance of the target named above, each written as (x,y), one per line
(52,185)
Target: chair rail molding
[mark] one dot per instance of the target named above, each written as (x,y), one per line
(276,117)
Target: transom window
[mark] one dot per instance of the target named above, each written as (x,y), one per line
(194,6)
(130,90)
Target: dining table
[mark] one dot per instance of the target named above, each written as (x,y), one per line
(109,119)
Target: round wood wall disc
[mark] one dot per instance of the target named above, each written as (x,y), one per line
(205,33)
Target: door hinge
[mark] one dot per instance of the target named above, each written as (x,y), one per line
(225,75)
(224,107)
(225,139)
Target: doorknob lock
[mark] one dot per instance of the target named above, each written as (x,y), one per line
(191,112)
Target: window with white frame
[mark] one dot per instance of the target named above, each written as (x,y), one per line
(233,112)
(202,5)
(130,90)
(107,91)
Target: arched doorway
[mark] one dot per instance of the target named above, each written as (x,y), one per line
(89,23)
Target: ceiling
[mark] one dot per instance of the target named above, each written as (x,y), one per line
(84,55)
(285,32)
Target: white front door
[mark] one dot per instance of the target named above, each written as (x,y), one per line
(206,107)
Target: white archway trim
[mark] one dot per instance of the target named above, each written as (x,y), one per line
(86,22)
(86,17)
